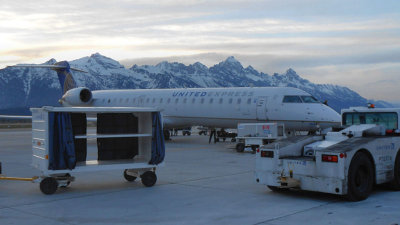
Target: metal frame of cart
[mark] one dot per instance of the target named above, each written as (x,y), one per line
(141,165)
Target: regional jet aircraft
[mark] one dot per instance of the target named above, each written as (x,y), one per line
(211,107)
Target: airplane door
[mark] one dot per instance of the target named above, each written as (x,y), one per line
(262,108)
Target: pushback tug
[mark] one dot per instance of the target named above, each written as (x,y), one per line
(347,162)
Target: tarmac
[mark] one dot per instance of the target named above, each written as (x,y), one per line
(201,183)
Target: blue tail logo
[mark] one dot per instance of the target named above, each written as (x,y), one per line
(65,77)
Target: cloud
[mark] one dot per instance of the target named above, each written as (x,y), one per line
(326,41)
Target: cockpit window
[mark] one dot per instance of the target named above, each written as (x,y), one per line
(291,99)
(309,99)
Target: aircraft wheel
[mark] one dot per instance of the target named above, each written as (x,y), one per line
(360,178)
(49,185)
(149,178)
(395,184)
(129,177)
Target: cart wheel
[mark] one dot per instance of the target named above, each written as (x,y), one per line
(49,185)
(129,177)
(67,175)
(239,147)
(149,178)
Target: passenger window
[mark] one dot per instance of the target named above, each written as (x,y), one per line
(176,100)
(249,101)
(154,100)
(221,100)
(239,100)
(202,101)
(309,99)
(184,100)
(292,99)
(126,100)
(211,100)
(134,100)
(147,100)
(120,100)
(193,100)
(169,100)
(230,101)
(161,100)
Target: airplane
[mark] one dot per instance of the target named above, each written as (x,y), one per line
(209,107)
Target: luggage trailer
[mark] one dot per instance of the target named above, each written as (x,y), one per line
(348,162)
(128,139)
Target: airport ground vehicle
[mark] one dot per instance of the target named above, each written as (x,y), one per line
(187,131)
(128,139)
(256,134)
(202,130)
(348,162)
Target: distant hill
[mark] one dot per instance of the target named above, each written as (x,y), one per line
(21,88)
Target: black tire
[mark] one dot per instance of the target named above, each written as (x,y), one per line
(149,178)
(67,175)
(395,183)
(129,177)
(360,178)
(240,147)
(49,185)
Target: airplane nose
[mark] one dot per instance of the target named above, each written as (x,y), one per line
(330,115)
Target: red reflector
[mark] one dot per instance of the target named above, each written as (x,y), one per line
(329,158)
(268,154)
(258,150)
(342,155)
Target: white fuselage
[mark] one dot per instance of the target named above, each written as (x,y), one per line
(224,107)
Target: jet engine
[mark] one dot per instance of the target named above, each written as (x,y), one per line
(80,96)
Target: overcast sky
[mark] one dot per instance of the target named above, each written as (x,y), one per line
(350,43)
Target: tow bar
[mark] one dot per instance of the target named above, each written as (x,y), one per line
(3,177)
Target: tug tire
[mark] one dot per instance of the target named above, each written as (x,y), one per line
(360,177)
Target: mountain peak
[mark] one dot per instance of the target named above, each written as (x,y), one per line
(291,73)
(102,60)
(231,59)
(50,62)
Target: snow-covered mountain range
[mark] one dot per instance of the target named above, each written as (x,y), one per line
(21,88)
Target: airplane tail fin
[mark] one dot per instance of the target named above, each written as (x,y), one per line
(63,70)
(65,77)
